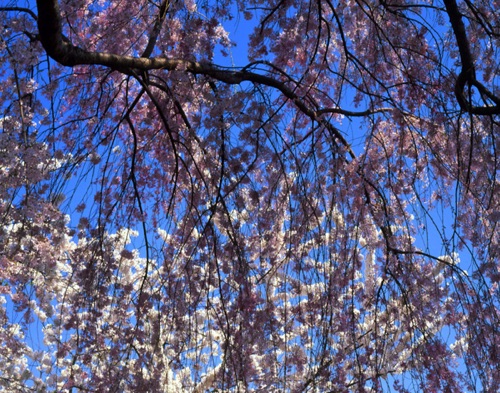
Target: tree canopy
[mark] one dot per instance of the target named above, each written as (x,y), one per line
(248,195)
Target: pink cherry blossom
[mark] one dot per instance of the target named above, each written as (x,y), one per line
(261,196)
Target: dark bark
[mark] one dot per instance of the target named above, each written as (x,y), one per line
(67,54)
(468,73)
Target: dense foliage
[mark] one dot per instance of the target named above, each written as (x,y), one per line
(249,195)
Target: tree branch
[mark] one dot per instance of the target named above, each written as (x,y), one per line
(468,72)
(67,54)
(157,28)
(19,9)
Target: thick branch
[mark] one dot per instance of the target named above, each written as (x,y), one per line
(67,54)
(458,27)
(468,72)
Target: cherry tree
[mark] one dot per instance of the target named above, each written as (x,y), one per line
(248,195)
